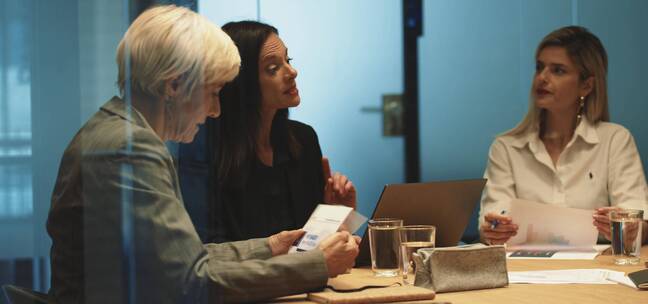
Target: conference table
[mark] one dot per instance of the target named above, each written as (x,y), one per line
(527,293)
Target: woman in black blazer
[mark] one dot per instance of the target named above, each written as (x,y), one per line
(269,170)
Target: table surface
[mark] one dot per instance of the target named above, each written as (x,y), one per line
(529,293)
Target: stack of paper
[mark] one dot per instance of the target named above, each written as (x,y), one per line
(570,276)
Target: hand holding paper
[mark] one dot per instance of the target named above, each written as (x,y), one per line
(340,251)
(497,229)
(280,243)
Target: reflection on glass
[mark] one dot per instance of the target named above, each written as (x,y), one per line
(15,192)
(15,110)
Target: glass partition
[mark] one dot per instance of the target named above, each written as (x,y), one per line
(476,62)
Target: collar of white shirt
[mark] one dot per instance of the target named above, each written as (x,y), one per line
(585,131)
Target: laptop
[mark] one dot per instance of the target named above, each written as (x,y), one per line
(446,204)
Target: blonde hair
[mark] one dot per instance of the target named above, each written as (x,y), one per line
(589,56)
(174,43)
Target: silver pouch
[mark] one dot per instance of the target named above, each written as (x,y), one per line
(461,268)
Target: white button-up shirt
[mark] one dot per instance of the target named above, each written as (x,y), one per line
(600,166)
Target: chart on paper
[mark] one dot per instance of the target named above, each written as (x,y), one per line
(551,227)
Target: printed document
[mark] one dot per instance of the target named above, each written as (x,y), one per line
(547,227)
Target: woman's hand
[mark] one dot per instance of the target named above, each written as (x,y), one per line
(281,242)
(338,189)
(602,221)
(499,233)
(340,251)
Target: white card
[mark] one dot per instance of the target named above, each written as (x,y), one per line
(326,220)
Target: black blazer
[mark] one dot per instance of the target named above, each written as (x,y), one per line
(211,206)
(305,174)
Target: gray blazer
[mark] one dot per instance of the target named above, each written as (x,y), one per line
(120,231)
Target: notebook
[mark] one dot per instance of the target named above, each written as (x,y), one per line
(639,278)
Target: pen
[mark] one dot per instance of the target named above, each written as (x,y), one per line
(494,223)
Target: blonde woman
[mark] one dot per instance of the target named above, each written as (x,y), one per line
(565,151)
(119,229)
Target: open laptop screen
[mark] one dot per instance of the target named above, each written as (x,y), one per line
(445,204)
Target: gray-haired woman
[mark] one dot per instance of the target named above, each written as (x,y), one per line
(118,224)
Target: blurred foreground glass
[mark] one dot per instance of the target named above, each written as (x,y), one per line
(384,243)
(625,226)
(413,238)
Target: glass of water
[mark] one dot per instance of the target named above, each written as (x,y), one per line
(625,226)
(413,238)
(384,243)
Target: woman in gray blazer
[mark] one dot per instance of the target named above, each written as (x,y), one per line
(119,229)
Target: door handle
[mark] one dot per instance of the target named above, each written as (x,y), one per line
(392,111)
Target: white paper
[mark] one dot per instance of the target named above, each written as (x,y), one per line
(354,221)
(551,227)
(621,278)
(602,247)
(326,220)
(566,276)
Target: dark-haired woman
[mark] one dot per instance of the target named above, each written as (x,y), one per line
(270,171)
(565,151)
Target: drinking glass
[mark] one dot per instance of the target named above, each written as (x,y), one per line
(413,238)
(384,242)
(625,227)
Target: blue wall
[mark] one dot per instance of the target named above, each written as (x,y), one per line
(622,27)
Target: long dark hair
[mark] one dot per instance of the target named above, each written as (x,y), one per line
(240,121)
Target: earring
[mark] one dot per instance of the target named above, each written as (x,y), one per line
(581,105)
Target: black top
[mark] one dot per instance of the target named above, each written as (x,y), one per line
(263,207)
(272,199)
